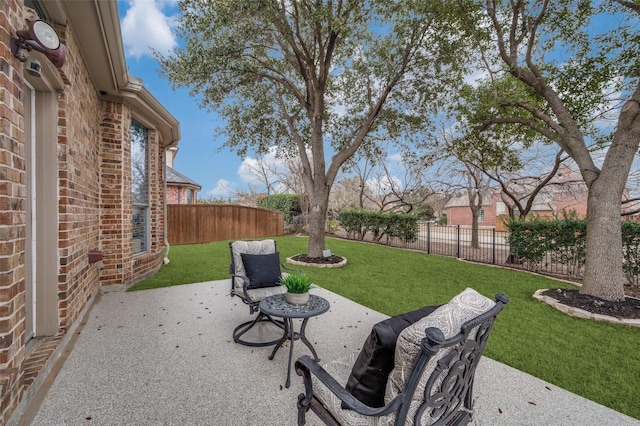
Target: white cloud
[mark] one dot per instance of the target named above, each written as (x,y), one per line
(251,170)
(476,76)
(611,104)
(397,157)
(247,169)
(145,26)
(223,188)
(384,184)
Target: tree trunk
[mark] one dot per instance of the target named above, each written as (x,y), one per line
(603,274)
(317,218)
(474,227)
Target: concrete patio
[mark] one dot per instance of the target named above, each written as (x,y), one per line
(166,357)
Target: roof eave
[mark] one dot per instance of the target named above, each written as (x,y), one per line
(99,37)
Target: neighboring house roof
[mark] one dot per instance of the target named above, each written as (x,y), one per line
(178,178)
(462,200)
(565,181)
(544,200)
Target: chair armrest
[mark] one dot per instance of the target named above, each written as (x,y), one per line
(305,366)
(245,285)
(283,266)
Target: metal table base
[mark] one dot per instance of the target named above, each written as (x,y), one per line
(277,306)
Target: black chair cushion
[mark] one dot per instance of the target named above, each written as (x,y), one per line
(371,370)
(263,270)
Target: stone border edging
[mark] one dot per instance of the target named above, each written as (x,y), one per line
(581,313)
(318,265)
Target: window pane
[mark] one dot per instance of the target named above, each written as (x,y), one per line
(139,186)
(481,215)
(139,164)
(139,229)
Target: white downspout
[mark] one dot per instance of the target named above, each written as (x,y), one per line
(165,259)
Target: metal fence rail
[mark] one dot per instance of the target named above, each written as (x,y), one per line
(455,241)
(493,248)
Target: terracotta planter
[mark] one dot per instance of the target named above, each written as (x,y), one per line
(297,298)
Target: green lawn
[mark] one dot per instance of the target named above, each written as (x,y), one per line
(596,360)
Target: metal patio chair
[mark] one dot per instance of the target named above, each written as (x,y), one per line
(255,270)
(432,379)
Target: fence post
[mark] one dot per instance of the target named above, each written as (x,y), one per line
(428,238)
(493,255)
(458,238)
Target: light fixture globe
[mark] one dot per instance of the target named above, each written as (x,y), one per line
(41,37)
(44,34)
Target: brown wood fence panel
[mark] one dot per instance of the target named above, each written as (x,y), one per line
(204,223)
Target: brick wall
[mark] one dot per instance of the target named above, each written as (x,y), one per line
(179,195)
(462,216)
(114,196)
(121,267)
(93,203)
(12,227)
(79,116)
(173,194)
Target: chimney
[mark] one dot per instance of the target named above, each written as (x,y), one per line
(170,155)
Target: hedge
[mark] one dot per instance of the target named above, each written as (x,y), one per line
(289,204)
(358,223)
(565,241)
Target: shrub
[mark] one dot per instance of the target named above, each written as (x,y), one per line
(631,249)
(289,204)
(360,222)
(564,240)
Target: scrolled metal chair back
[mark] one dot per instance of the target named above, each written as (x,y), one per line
(448,389)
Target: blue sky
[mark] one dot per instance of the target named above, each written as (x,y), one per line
(148,23)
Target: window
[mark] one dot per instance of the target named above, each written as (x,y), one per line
(189,196)
(139,186)
(481,215)
(500,208)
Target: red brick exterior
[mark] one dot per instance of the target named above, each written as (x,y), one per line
(120,266)
(567,202)
(12,217)
(79,184)
(94,201)
(461,215)
(177,194)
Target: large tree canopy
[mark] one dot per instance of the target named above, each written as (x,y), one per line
(317,78)
(557,69)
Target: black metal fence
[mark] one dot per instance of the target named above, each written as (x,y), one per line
(492,248)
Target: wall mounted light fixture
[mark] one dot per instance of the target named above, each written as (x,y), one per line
(40,37)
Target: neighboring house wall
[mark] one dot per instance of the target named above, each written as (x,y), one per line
(181,195)
(565,193)
(180,188)
(461,215)
(459,212)
(70,192)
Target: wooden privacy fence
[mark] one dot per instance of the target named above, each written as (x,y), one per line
(205,223)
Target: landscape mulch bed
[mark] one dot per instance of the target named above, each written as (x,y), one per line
(333,259)
(630,308)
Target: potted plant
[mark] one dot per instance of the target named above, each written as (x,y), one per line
(297,286)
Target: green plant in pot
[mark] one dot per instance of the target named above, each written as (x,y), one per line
(297,286)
